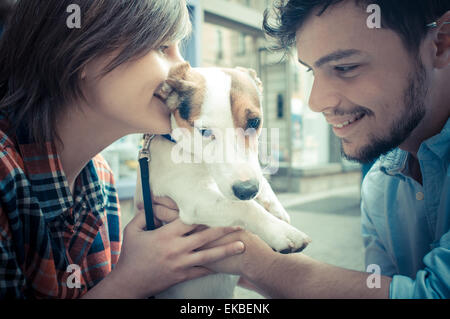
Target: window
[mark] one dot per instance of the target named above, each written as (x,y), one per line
(219,44)
(242,47)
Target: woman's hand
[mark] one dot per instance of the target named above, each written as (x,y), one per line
(256,253)
(152,261)
(165,210)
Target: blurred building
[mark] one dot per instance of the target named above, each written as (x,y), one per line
(228,33)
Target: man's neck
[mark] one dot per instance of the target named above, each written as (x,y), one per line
(426,129)
(414,169)
(431,125)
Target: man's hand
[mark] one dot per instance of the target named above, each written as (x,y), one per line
(256,252)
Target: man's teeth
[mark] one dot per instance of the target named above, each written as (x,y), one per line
(341,125)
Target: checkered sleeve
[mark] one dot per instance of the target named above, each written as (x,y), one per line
(12,279)
(113,218)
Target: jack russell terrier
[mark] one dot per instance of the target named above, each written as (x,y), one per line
(204,103)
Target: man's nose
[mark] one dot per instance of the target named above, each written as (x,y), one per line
(246,190)
(323,96)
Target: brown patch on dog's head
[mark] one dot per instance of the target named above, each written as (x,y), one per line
(245,97)
(183,92)
(253,75)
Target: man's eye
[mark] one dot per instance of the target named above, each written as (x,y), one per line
(345,68)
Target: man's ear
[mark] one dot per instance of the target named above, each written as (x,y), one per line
(442,41)
(253,75)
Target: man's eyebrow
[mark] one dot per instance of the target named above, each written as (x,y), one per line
(304,64)
(335,56)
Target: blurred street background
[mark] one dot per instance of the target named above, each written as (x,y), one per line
(317,186)
(332,220)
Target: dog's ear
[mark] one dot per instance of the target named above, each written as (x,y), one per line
(181,86)
(179,71)
(253,75)
(176,85)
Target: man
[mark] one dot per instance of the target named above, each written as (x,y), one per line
(386,92)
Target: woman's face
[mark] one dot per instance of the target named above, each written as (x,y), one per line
(124,97)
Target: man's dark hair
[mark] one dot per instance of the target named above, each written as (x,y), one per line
(41,58)
(408,18)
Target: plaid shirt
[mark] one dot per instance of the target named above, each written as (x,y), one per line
(44,229)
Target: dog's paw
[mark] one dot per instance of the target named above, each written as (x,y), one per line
(287,239)
(279,212)
(275,208)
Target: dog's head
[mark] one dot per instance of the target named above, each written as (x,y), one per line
(217,117)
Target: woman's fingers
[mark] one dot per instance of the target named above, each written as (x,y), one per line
(178,228)
(205,236)
(164,210)
(164,214)
(164,201)
(214,254)
(138,222)
(196,272)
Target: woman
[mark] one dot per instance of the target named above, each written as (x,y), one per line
(66,93)
(5,7)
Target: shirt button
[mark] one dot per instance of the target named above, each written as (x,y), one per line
(419,196)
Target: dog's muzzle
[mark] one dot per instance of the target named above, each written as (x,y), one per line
(246,190)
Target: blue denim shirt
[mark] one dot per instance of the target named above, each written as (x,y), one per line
(406,225)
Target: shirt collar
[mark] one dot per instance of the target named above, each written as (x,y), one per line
(49,183)
(394,162)
(438,144)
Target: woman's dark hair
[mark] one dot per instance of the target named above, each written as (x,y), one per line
(5,8)
(408,18)
(41,58)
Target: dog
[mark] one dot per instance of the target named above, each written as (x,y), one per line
(204,103)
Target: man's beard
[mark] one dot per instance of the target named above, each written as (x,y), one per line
(413,112)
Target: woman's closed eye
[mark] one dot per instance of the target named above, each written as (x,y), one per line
(163,49)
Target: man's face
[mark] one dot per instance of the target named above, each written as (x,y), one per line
(366,84)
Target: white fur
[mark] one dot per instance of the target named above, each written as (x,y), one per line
(203,193)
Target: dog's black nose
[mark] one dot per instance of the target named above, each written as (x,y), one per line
(246,190)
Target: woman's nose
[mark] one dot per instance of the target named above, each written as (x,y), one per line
(175,54)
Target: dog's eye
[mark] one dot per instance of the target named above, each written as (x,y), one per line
(206,132)
(253,123)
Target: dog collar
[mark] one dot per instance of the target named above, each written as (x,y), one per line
(168,137)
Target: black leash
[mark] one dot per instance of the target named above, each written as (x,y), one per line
(144,159)
(144,162)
